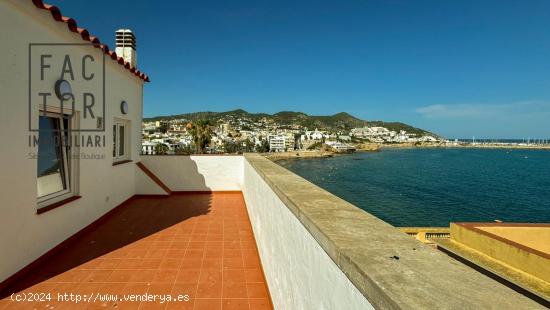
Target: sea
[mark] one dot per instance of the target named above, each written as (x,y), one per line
(431,187)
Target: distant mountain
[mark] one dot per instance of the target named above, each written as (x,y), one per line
(339,121)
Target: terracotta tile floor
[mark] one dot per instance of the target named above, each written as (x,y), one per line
(199,245)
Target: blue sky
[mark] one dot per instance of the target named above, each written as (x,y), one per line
(458,68)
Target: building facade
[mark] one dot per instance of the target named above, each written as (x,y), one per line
(277,143)
(64,162)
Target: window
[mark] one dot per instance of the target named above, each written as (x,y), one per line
(121,140)
(53,157)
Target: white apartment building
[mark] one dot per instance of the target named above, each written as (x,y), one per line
(277,143)
(289,141)
(315,135)
(366,132)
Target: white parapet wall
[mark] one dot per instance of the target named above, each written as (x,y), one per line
(321,252)
(299,273)
(197,172)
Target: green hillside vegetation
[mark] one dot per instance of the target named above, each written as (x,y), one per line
(339,121)
(396,126)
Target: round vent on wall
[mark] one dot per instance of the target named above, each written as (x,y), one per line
(124,107)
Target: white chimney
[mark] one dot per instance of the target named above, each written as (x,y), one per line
(126,46)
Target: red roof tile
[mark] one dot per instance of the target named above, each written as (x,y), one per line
(85,35)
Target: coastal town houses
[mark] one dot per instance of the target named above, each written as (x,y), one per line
(314,135)
(241,127)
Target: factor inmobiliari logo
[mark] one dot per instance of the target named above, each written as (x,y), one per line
(66,94)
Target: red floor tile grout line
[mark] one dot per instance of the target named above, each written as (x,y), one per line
(223,252)
(242,259)
(170,246)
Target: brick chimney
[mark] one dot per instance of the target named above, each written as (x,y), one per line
(126,46)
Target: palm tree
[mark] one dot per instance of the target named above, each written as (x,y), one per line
(263,147)
(161,149)
(201,131)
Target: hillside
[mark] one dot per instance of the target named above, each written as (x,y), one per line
(397,126)
(339,121)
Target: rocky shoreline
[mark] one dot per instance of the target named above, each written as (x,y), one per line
(471,146)
(320,153)
(299,154)
(374,147)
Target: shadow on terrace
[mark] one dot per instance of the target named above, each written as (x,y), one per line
(137,237)
(196,243)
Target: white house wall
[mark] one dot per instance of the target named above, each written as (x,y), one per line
(197,173)
(24,234)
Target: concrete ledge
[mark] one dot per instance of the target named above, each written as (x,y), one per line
(390,269)
(523,282)
(497,241)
